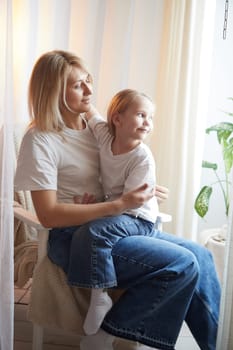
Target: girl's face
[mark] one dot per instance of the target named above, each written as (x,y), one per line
(78,93)
(137,121)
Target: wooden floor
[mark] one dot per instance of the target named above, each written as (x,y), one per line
(57,340)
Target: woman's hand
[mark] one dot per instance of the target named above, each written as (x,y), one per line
(161,193)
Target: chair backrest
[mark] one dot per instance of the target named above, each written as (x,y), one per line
(23,197)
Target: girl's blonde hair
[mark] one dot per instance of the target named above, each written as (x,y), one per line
(119,104)
(47,88)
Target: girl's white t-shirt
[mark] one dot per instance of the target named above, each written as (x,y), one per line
(67,163)
(125,172)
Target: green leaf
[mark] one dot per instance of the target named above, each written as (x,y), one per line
(202,201)
(228,155)
(208,165)
(229,113)
(223,130)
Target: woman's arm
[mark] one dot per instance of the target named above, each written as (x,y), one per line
(53,214)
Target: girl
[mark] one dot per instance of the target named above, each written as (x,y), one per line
(125,163)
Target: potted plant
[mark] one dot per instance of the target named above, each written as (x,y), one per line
(214,239)
(224,135)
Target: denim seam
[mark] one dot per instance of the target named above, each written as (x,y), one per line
(131,260)
(119,225)
(95,283)
(110,284)
(94,263)
(135,337)
(128,223)
(207,307)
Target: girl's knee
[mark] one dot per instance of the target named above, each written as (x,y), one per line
(202,254)
(193,266)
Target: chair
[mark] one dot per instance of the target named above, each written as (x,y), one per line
(43,267)
(30,219)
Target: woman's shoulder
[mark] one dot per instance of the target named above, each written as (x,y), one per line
(34,135)
(32,132)
(61,142)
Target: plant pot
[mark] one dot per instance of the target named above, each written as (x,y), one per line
(215,240)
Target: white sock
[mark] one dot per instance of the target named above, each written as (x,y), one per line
(99,341)
(100,304)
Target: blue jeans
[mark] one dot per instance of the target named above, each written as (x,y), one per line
(91,263)
(166,279)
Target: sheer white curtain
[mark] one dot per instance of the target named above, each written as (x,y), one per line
(6,177)
(182,95)
(118,39)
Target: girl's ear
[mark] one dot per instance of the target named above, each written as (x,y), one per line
(116,119)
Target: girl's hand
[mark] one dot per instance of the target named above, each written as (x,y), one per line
(136,198)
(161,193)
(92,111)
(85,199)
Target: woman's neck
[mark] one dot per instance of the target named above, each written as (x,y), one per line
(75,122)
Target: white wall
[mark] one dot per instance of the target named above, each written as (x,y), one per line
(221,87)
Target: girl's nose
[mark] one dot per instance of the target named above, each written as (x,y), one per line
(147,121)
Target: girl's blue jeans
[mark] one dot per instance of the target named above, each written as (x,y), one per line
(166,279)
(92,248)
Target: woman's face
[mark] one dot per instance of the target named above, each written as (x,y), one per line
(78,92)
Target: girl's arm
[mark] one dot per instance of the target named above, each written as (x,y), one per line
(53,214)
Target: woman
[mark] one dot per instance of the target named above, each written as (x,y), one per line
(166,279)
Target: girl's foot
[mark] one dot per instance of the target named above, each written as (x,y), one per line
(100,304)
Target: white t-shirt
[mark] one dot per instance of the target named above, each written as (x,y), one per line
(124,172)
(66,162)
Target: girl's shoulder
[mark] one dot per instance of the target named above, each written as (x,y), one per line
(144,151)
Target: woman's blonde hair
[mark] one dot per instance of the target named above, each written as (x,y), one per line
(120,102)
(47,88)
